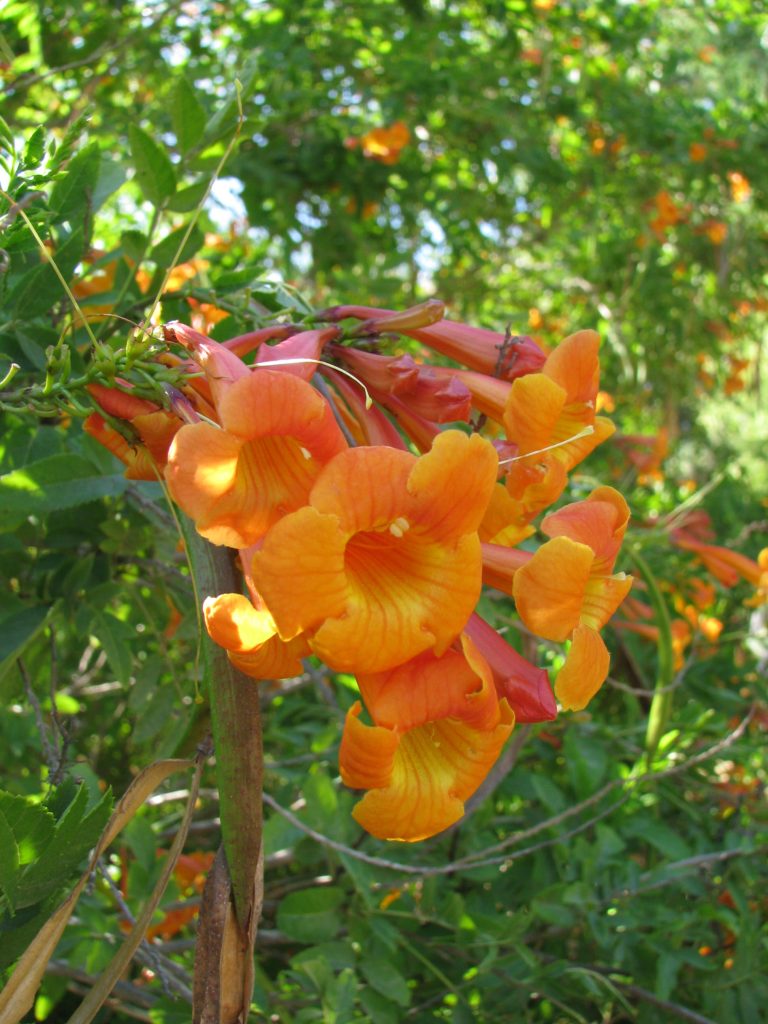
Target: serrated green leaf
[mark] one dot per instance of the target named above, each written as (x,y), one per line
(75,834)
(310,915)
(72,194)
(35,148)
(165,252)
(9,861)
(32,825)
(155,175)
(187,115)
(60,481)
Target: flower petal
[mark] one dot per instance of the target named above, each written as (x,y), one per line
(458,464)
(424,781)
(584,671)
(533,409)
(299,571)
(600,522)
(549,591)
(249,637)
(457,685)
(602,597)
(238,481)
(525,687)
(574,365)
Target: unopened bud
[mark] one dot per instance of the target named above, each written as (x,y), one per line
(423,315)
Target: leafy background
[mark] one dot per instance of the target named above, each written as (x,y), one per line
(542,166)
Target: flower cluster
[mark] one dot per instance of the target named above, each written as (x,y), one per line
(368,518)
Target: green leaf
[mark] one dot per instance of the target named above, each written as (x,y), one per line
(17,631)
(41,288)
(133,244)
(155,175)
(386,979)
(379,1008)
(75,834)
(310,915)
(32,825)
(9,861)
(112,175)
(188,198)
(59,481)
(166,252)
(72,194)
(113,635)
(187,115)
(586,761)
(35,148)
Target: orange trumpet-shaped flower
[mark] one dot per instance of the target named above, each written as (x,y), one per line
(727,566)
(476,347)
(383,562)
(525,687)
(438,728)
(153,428)
(567,589)
(249,636)
(236,482)
(552,407)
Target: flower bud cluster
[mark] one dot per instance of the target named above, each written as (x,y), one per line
(371,496)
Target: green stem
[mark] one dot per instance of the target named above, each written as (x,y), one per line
(661,703)
(236,723)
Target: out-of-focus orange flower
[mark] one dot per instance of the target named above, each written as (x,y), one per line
(532,55)
(383,144)
(96,283)
(715,230)
(668,214)
(605,402)
(703,593)
(382,562)
(741,190)
(190,872)
(697,152)
(707,53)
(205,315)
(680,630)
(544,5)
(438,728)
(727,566)
(647,453)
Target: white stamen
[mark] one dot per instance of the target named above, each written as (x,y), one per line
(559,444)
(399,527)
(307,454)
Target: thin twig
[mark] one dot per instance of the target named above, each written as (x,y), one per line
(475,859)
(50,755)
(172,977)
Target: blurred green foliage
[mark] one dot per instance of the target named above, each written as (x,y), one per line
(564,164)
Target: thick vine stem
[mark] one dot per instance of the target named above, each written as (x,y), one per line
(236,724)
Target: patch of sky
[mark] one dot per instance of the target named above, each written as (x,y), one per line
(224,205)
